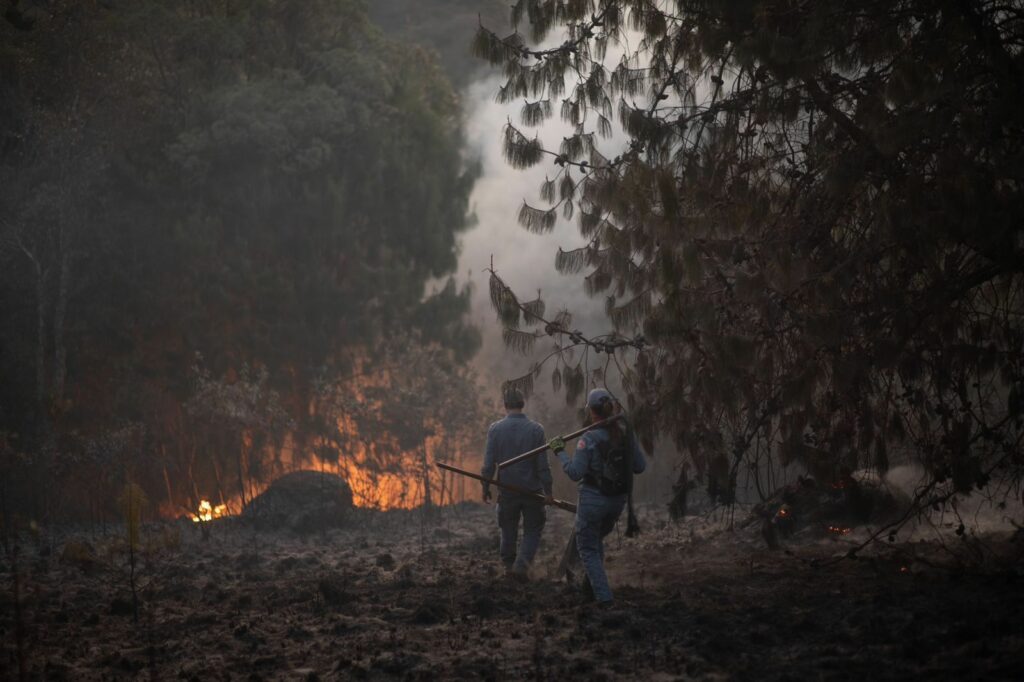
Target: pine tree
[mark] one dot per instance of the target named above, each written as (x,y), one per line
(815,220)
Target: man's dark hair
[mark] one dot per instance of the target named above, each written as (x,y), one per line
(513,399)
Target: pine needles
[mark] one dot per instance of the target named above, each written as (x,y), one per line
(489,47)
(533,311)
(519,341)
(573,261)
(631,313)
(521,152)
(535,113)
(523,384)
(537,220)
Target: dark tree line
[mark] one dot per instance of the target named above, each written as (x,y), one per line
(810,243)
(246,195)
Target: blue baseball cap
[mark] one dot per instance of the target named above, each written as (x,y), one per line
(598,397)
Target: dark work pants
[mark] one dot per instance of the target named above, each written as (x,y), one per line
(510,509)
(596,515)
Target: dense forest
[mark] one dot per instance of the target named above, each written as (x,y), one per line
(211,213)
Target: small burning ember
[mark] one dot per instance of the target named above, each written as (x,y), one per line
(208,512)
(839,530)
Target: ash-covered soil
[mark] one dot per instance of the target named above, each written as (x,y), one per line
(400,596)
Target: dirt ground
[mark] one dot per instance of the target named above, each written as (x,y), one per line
(398,596)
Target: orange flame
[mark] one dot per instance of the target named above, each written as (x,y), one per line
(207,512)
(381,474)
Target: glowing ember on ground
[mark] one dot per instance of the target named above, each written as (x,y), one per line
(839,530)
(207,512)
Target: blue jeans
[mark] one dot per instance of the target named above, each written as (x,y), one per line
(596,515)
(510,509)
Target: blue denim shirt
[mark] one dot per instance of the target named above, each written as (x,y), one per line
(583,460)
(511,436)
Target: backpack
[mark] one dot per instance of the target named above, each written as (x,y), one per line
(614,467)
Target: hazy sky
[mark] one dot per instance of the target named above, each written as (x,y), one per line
(523,259)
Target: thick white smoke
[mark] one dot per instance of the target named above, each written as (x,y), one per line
(523,259)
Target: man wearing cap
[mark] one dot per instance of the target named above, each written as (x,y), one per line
(506,438)
(604,462)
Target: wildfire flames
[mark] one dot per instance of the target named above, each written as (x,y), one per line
(400,486)
(381,473)
(839,530)
(208,512)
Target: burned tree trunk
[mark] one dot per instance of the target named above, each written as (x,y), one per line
(60,352)
(427,501)
(241,470)
(167,477)
(40,274)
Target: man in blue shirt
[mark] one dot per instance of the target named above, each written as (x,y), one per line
(506,438)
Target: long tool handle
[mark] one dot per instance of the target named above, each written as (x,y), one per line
(569,436)
(561,504)
(569,557)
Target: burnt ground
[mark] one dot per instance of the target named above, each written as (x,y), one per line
(393,596)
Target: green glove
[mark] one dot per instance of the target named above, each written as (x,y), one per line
(556,444)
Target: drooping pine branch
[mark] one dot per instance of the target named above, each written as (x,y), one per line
(523,384)
(571,377)
(519,341)
(535,113)
(536,220)
(521,152)
(534,310)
